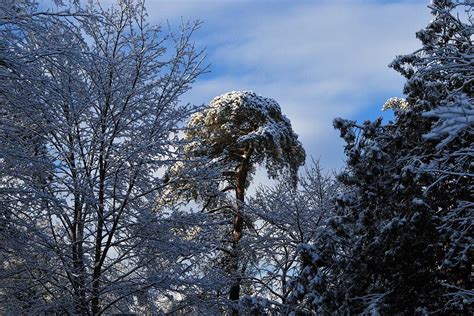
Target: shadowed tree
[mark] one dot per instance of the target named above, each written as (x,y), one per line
(407,213)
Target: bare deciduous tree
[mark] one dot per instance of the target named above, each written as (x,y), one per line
(90,113)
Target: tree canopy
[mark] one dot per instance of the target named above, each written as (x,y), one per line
(237,124)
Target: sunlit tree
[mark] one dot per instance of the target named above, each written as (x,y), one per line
(237,132)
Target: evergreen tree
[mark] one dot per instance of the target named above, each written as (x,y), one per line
(408,210)
(226,142)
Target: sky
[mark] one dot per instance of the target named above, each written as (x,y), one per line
(318,59)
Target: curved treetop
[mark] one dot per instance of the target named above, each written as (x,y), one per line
(242,125)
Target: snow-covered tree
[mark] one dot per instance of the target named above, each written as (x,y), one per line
(407,213)
(293,245)
(89,114)
(26,269)
(440,88)
(232,136)
(391,243)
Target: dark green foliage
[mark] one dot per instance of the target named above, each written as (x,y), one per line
(408,215)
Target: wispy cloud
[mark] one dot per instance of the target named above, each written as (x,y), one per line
(318,59)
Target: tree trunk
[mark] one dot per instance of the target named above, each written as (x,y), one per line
(241,179)
(78,261)
(97,273)
(78,277)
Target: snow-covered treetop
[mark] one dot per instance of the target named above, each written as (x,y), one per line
(440,74)
(240,124)
(395,104)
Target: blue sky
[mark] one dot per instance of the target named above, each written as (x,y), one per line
(318,59)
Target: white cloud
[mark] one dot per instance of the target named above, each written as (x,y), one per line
(318,59)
